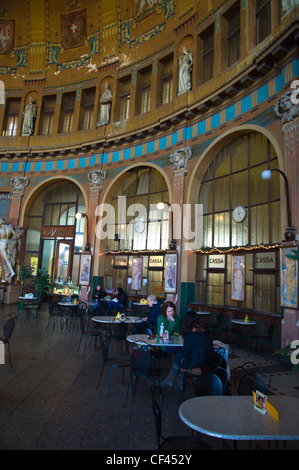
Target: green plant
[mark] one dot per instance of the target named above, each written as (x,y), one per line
(41,283)
(25,275)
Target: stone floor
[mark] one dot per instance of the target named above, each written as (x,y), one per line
(49,398)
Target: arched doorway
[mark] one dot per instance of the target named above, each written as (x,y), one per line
(54,238)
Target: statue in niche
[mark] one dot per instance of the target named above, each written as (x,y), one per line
(144,5)
(105,106)
(9,237)
(29,114)
(185,69)
(285,109)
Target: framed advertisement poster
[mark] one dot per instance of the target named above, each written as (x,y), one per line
(171,273)
(288,278)
(238,277)
(137,273)
(85,270)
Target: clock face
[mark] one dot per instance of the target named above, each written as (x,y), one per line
(139,227)
(239,214)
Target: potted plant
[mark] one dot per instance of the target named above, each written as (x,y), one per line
(41,283)
(25,275)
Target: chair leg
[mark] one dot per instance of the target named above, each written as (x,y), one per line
(9,354)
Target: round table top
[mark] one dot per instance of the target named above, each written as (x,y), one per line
(140,304)
(203,313)
(239,321)
(113,319)
(67,304)
(234,417)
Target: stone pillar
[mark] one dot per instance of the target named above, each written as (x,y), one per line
(179,160)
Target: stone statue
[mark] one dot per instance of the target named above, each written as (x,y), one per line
(9,237)
(185,69)
(105,106)
(96,178)
(29,114)
(285,109)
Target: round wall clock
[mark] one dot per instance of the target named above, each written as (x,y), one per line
(239,214)
(139,227)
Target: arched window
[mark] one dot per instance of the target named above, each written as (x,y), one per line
(240,210)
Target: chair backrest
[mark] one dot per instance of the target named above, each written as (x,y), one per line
(9,323)
(141,361)
(120,330)
(81,308)
(250,383)
(214,360)
(208,384)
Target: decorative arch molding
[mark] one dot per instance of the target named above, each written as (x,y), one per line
(214,148)
(39,187)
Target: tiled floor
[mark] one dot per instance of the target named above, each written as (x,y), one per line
(49,398)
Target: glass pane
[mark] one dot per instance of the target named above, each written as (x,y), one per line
(38,205)
(48,255)
(63,261)
(63,214)
(222,194)
(33,233)
(215,289)
(55,214)
(239,189)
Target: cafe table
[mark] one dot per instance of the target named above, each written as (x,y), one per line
(113,319)
(240,321)
(235,418)
(144,339)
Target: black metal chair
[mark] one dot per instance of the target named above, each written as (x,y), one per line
(89,330)
(55,313)
(263,334)
(9,323)
(208,384)
(113,363)
(247,379)
(142,367)
(174,442)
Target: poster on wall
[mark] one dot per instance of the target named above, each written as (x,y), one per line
(137,273)
(238,277)
(171,273)
(85,270)
(288,278)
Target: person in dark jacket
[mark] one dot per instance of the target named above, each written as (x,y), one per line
(121,297)
(154,312)
(198,345)
(98,294)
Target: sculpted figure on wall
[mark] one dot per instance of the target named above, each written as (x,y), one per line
(96,178)
(285,109)
(9,237)
(105,106)
(29,114)
(185,70)
(19,183)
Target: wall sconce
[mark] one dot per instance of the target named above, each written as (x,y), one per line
(78,217)
(160,206)
(290,229)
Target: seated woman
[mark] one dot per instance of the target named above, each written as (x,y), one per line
(154,312)
(198,345)
(169,319)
